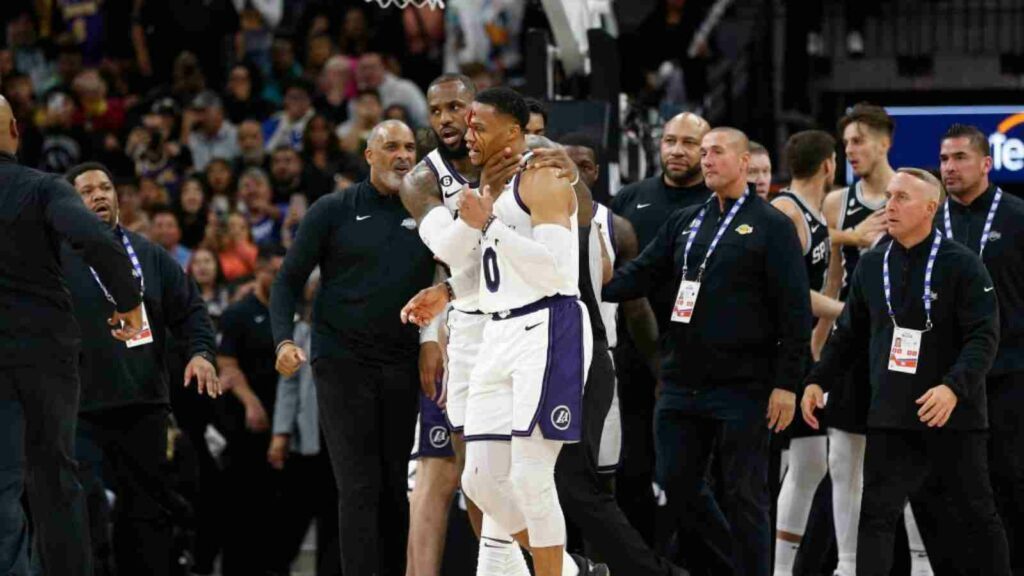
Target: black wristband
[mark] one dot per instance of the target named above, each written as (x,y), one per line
(487,224)
(451,292)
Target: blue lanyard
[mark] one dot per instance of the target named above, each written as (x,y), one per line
(927,282)
(988,221)
(136,267)
(695,228)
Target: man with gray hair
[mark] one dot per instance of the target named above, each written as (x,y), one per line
(364,359)
(925,308)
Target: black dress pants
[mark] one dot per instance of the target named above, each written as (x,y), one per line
(897,464)
(368,414)
(38,413)
(586,501)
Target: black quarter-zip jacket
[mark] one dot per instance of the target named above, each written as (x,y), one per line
(1004,259)
(753,313)
(38,212)
(958,350)
(114,375)
(372,262)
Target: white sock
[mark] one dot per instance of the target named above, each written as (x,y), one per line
(569,567)
(496,548)
(785,556)
(846,467)
(919,564)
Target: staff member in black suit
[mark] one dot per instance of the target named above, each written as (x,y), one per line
(124,395)
(738,335)
(925,308)
(364,359)
(39,341)
(990,222)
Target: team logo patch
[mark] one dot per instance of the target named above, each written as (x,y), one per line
(438,436)
(993,235)
(561,417)
(409,224)
(744,229)
(447,180)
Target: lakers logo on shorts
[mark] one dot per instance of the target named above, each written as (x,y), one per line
(561,417)
(438,436)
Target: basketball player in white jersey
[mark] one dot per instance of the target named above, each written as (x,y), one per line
(856,221)
(527,386)
(431,192)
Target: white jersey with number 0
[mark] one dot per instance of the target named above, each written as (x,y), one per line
(451,184)
(507,282)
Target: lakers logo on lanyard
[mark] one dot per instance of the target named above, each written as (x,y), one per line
(905,351)
(987,230)
(686,298)
(145,335)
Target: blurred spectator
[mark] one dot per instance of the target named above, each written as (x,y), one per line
(84,24)
(20,95)
(151,195)
(153,149)
(336,86)
(271,11)
(483,31)
(162,31)
(165,231)
(250,147)
(283,70)
(296,211)
(424,44)
(367,112)
(209,134)
(396,112)
(29,56)
(64,144)
(241,99)
(319,48)
(322,153)
(69,64)
(192,212)
(371,74)
(482,77)
(254,39)
(130,214)
(538,117)
(220,182)
(187,80)
(289,176)
(231,239)
(355,32)
(204,268)
(265,218)
(286,127)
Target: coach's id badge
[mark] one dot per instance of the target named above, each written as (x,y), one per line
(686,300)
(905,351)
(145,336)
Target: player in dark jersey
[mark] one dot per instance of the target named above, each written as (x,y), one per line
(812,161)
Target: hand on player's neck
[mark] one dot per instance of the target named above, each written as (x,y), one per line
(873,185)
(969,196)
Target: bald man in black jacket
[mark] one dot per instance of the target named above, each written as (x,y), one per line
(39,356)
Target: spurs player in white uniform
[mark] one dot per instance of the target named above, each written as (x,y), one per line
(525,400)
(431,192)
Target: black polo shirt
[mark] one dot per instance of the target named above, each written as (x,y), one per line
(753,314)
(958,350)
(246,336)
(372,262)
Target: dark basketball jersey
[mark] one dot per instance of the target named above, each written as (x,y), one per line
(817,252)
(854,211)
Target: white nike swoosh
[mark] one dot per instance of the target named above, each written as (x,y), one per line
(990,288)
(642,206)
(361,218)
(854,211)
(815,228)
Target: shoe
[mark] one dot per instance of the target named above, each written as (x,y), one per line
(588,568)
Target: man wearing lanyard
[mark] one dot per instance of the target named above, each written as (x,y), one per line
(736,343)
(122,426)
(926,310)
(980,216)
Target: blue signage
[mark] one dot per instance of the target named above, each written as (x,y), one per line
(919,131)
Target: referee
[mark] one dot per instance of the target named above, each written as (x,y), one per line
(364,360)
(925,308)
(738,335)
(39,342)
